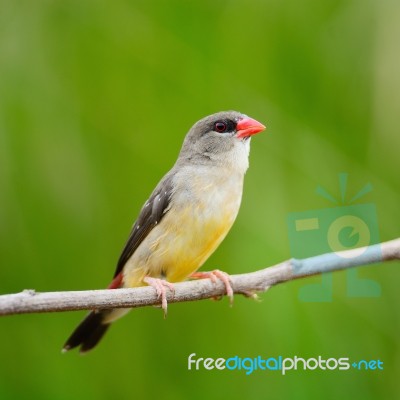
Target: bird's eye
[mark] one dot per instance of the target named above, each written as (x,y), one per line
(220,127)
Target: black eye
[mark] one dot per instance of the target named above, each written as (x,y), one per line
(220,127)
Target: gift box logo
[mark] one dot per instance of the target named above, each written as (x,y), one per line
(342,227)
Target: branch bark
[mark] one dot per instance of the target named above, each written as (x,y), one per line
(30,301)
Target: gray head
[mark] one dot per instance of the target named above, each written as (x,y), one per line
(222,138)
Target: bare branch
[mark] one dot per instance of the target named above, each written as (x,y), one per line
(30,301)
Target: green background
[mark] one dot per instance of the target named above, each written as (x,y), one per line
(95,99)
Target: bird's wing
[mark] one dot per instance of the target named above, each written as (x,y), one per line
(150,215)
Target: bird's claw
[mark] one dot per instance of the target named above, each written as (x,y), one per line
(160,286)
(213,276)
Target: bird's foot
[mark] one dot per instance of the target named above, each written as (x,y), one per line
(160,285)
(214,275)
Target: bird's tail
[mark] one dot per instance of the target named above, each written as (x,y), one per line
(89,332)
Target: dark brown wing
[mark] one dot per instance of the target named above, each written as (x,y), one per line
(151,214)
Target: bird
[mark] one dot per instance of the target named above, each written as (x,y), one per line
(184,220)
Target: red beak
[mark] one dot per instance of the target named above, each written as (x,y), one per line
(247,127)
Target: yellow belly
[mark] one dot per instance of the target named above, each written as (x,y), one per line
(174,251)
(199,219)
(188,251)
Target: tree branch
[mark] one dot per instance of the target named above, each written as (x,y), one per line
(30,301)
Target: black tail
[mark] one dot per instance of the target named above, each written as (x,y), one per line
(88,333)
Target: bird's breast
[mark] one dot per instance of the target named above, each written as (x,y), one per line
(203,208)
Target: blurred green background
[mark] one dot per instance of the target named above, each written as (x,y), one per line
(95,99)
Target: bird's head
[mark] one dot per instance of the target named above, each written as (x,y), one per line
(221,138)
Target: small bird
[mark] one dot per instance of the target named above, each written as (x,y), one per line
(184,220)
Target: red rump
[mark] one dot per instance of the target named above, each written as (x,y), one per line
(116,282)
